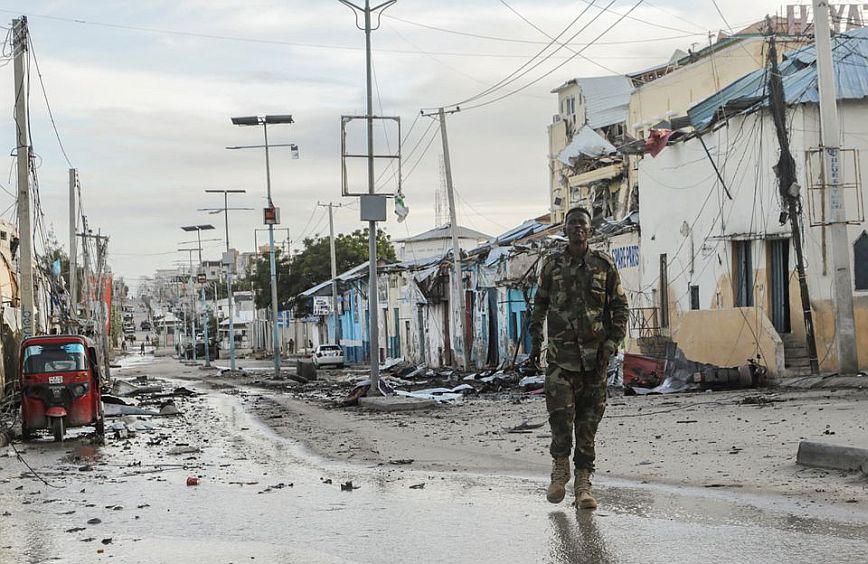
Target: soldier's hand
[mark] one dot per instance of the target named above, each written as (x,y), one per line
(604,353)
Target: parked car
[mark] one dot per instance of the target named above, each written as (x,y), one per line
(328,355)
(145,325)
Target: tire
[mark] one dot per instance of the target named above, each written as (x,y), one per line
(58,428)
(100,426)
(341,365)
(26,434)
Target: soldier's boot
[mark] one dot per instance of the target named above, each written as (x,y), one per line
(584,499)
(560,476)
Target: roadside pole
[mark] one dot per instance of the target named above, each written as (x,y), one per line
(830,140)
(458,282)
(25,230)
(369,202)
(227,259)
(786,170)
(73,250)
(334,265)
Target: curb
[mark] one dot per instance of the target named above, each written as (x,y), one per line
(837,457)
(828,381)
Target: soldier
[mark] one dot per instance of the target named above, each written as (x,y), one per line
(580,292)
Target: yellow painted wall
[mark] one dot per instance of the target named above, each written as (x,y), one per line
(692,83)
(728,337)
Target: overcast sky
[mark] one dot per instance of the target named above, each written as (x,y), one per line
(142,93)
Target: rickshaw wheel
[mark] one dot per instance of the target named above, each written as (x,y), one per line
(57,427)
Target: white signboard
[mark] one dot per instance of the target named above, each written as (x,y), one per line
(321,305)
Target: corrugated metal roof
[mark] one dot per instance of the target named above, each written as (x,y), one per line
(799,74)
(607,99)
(444,232)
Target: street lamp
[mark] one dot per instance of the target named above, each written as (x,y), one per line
(271,214)
(225,209)
(198,229)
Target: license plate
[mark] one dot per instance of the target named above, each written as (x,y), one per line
(55,379)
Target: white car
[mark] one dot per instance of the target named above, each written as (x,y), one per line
(328,354)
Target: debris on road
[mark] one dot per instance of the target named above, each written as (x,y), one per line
(348,486)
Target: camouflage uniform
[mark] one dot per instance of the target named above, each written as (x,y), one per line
(586,309)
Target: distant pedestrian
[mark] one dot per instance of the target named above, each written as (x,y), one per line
(143,349)
(579,296)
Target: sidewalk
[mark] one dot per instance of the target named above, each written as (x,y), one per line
(828,381)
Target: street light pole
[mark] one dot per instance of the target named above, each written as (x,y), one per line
(373,297)
(271,216)
(198,229)
(225,209)
(275,337)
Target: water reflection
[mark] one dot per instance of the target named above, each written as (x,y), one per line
(577,541)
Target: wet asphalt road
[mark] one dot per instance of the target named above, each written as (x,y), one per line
(265,499)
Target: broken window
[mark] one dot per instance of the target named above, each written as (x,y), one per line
(860,261)
(743,279)
(694,297)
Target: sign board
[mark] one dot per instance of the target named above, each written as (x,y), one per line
(321,305)
(842,17)
(271,216)
(373,207)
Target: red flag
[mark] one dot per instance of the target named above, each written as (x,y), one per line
(656,141)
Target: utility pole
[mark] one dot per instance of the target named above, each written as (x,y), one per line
(25,229)
(786,169)
(191,299)
(830,141)
(198,229)
(225,209)
(457,287)
(73,244)
(373,288)
(85,251)
(271,216)
(334,262)
(102,314)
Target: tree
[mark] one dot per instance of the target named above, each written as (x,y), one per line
(312,266)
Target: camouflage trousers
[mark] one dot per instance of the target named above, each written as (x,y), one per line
(575,402)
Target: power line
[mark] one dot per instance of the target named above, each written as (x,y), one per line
(520,72)
(47,104)
(640,20)
(533,25)
(534,42)
(299,44)
(529,84)
(424,152)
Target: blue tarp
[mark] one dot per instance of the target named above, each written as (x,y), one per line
(799,74)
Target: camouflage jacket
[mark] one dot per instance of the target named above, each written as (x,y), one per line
(585,305)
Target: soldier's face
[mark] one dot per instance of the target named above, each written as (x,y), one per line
(578,227)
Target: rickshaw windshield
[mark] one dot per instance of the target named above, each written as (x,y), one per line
(54,358)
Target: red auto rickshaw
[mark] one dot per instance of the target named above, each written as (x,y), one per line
(60,385)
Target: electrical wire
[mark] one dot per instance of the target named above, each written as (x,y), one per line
(304,45)
(529,84)
(47,104)
(539,29)
(521,72)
